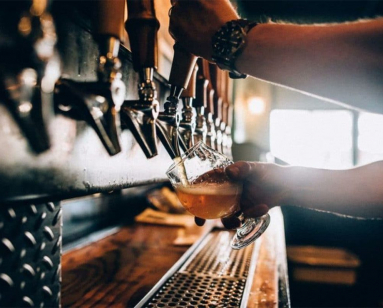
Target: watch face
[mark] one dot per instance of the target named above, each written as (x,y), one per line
(228,40)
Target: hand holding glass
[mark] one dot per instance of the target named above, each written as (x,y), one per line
(206,192)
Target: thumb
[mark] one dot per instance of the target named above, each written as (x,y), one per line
(239,170)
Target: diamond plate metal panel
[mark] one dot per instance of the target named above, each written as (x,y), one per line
(30,255)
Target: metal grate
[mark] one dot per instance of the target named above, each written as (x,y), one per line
(30,250)
(213,276)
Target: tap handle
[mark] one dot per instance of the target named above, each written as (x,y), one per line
(182,67)
(190,91)
(201,87)
(210,99)
(109,18)
(205,72)
(215,78)
(229,115)
(142,26)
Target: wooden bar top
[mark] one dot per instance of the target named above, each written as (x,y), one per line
(119,270)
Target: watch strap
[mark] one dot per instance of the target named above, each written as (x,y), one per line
(228,43)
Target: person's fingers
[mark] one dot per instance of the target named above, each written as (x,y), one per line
(231,222)
(256,210)
(199,221)
(239,170)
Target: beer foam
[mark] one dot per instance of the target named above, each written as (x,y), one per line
(225,189)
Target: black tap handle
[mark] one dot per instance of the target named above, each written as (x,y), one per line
(190,90)
(182,67)
(142,26)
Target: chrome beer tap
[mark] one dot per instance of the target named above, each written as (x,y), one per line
(168,120)
(209,110)
(200,103)
(218,102)
(188,119)
(99,102)
(227,112)
(29,69)
(140,115)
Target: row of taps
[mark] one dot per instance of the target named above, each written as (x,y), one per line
(35,80)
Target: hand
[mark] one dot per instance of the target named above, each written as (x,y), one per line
(264,186)
(194,22)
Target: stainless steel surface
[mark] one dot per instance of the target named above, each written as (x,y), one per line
(94,102)
(201,128)
(188,122)
(76,163)
(140,115)
(213,275)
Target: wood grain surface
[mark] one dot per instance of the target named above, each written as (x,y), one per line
(119,270)
(264,291)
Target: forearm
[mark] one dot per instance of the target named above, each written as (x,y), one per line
(356,192)
(343,62)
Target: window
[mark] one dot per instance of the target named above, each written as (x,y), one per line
(319,138)
(370,137)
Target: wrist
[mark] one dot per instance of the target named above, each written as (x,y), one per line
(284,184)
(228,43)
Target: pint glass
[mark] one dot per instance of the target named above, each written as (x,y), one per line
(203,188)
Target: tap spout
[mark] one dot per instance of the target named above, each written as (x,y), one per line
(140,119)
(29,68)
(24,101)
(140,116)
(97,103)
(167,129)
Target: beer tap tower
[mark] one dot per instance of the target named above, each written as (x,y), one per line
(188,120)
(29,69)
(140,115)
(168,120)
(99,102)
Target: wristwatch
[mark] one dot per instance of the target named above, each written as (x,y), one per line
(228,43)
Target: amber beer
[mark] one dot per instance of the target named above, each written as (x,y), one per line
(210,200)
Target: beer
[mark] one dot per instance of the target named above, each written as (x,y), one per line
(210,200)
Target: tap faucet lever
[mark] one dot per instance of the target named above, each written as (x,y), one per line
(188,120)
(169,120)
(99,102)
(140,115)
(95,103)
(200,103)
(29,68)
(216,80)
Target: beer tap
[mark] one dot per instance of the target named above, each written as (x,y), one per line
(29,69)
(209,110)
(188,123)
(140,115)
(168,120)
(229,124)
(224,106)
(223,126)
(99,102)
(218,102)
(200,103)
(227,141)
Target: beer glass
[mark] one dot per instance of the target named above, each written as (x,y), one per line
(203,188)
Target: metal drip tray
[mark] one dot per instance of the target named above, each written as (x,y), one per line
(210,274)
